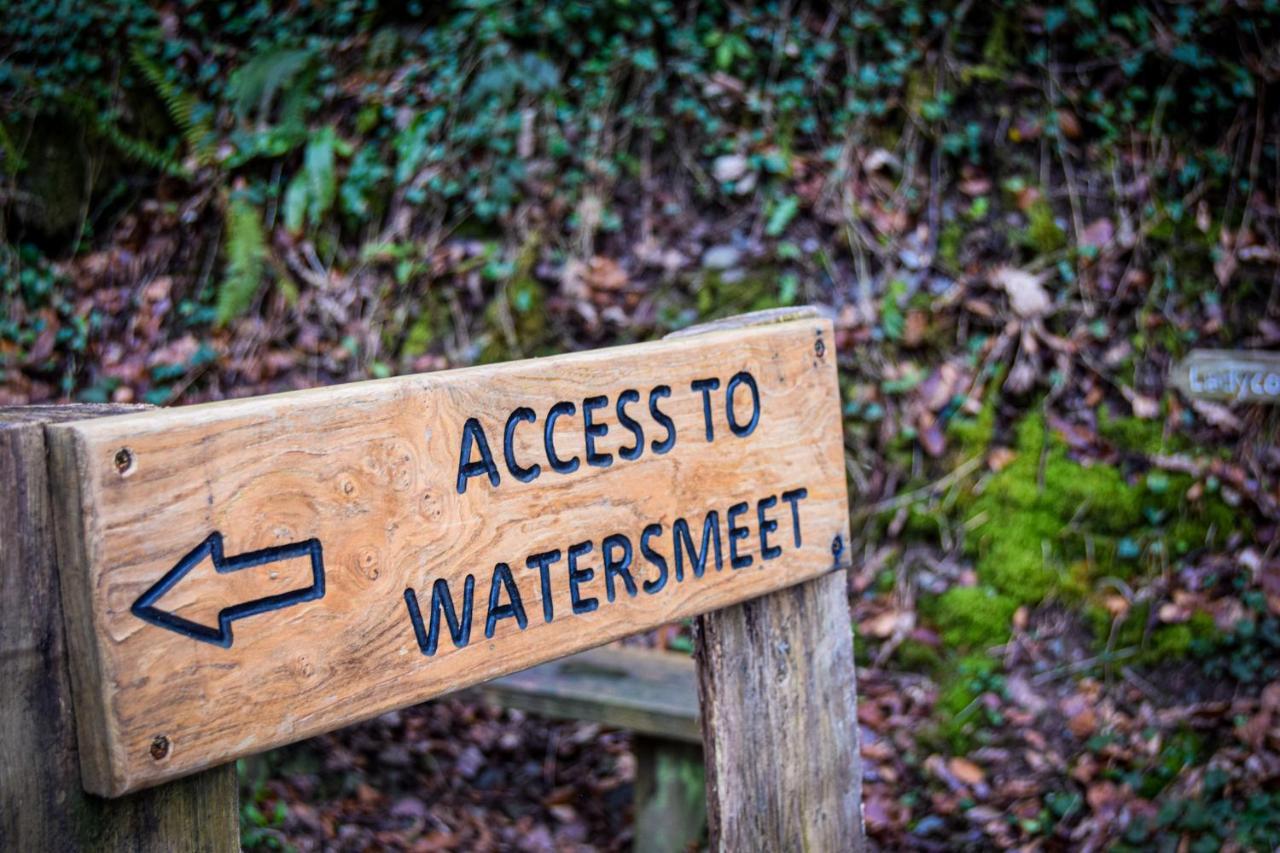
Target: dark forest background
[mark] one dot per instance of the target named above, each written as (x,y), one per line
(1019,215)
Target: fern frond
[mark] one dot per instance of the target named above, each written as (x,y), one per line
(253,86)
(183,107)
(130,146)
(246,260)
(144,152)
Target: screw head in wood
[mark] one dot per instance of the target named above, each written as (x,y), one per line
(159,747)
(124,461)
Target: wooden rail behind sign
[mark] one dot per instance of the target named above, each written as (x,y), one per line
(244,574)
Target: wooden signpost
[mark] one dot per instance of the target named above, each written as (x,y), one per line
(244,574)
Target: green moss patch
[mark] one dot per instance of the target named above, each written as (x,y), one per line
(1044,512)
(971,617)
(1049,526)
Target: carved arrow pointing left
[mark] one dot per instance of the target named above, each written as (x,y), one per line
(145,607)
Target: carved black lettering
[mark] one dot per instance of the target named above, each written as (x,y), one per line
(473,433)
(683,542)
(627,397)
(616,553)
(523,414)
(513,608)
(767,526)
(592,430)
(738,561)
(706,386)
(656,584)
(794,497)
(442,602)
(741,430)
(542,562)
(580,576)
(549,438)
(661,417)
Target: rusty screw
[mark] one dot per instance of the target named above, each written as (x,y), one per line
(159,747)
(124,461)
(819,347)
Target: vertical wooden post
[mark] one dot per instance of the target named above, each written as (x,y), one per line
(671,812)
(779,721)
(42,803)
(776,683)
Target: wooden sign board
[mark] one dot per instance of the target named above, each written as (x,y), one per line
(1237,376)
(244,574)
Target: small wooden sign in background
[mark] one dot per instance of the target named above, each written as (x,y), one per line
(245,574)
(1237,376)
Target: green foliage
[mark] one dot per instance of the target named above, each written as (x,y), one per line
(312,191)
(1156,644)
(1025,559)
(962,716)
(184,108)
(276,71)
(738,292)
(972,617)
(1219,813)
(780,216)
(488,97)
(1072,522)
(260,819)
(358,194)
(34,297)
(246,252)
(1138,435)
(1250,651)
(1043,234)
(892,320)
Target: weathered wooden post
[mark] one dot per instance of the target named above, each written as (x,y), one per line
(776,682)
(43,805)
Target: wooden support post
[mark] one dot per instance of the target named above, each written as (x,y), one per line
(654,694)
(779,704)
(43,805)
(671,813)
(779,721)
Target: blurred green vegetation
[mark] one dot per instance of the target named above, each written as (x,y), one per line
(322,117)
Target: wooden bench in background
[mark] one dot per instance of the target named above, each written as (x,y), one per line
(653,694)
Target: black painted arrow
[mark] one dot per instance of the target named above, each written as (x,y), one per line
(144,608)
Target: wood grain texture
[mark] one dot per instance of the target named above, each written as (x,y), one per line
(779,721)
(776,683)
(650,692)
(43,805)
(370,470)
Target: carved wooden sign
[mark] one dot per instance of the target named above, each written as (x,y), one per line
(244,574)
(1237,376)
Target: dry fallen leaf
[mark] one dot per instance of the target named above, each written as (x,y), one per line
(1027,296)
(881,625)
(1143,406)
(966,771)
(1084,723)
